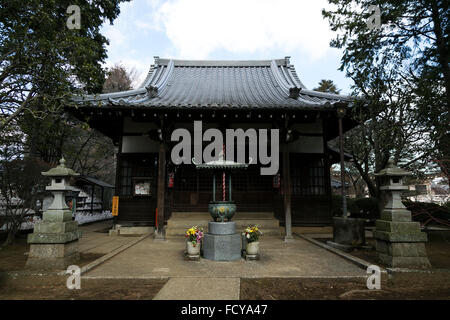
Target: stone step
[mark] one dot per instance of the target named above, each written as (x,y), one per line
(238,215)
(187,223)
(181,221)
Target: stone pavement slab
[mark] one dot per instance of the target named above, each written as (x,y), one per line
(200,289)
(95,240)
(278,259)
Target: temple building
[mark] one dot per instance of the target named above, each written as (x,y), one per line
(259,94)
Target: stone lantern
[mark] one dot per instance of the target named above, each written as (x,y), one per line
(54,241)
(399,240)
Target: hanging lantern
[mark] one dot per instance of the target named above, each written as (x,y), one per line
(276,181)
(171,178)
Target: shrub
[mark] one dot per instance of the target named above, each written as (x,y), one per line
(365,208)
(425,212)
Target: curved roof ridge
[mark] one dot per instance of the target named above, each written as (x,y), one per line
(281,82)
(293,73)
(149,78)
(326,95)
(162,82)
(112,95)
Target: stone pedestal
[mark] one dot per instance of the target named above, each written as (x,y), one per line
(399,241)
(222,243)
(348,233)
(52,256)
(54,244)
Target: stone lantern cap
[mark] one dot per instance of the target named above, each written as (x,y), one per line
(391,170)
(60,171)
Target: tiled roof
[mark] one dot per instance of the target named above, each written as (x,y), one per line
(219,84)
(95,181)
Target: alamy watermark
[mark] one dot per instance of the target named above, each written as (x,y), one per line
(74,279)
(374,280)
(258,145)
(74,20)
(374,20)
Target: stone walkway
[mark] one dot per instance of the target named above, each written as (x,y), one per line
(96,240)
(151,259)
(200,289)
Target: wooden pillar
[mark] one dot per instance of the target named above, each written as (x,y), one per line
(159,234)
(327,166)
(229,187)
(118,182)
(341,153)
(287,194)
(214,187)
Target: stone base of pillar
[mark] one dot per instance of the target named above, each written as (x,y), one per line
(57,256)
(399,241)
(403,262)
(160,235)
(343,247)
(349,232)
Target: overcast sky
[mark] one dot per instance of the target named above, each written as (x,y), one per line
(227,29)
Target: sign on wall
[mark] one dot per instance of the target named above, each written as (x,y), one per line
(115,206)
(142,187)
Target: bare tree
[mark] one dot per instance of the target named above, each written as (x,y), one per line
(119,79)
(21,184)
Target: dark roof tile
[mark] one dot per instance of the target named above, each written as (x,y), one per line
(219,84)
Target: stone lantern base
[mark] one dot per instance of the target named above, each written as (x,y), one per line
(53,256)
(54,242)
(399,241)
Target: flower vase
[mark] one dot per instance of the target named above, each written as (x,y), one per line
(252,248)
(191,249)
